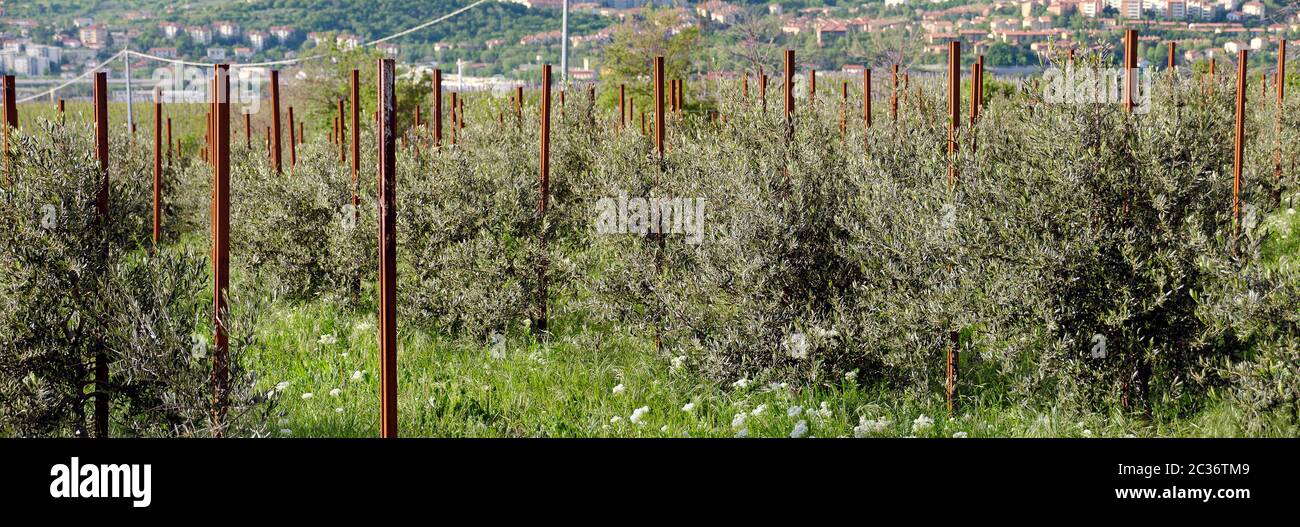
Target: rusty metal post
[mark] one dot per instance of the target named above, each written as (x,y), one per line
(544,166)
(519,104)
(293,140)
(659,105)
(387,250)
(1239,145)
(101,155)
(812,86)
(11,119)
(356,143)
(954,109)
(1172,63)
(866,100)
(453,118)
(220,246)
(157,165)
(343,145)
(248,131)
(1130,69)
(789,93)
(276,158)
(844,106)
(437,108)
(762,90)
(1280,81)
(744,87)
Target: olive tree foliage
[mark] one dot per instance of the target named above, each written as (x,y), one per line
(75,285)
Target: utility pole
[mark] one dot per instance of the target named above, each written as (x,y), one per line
(564,45)
(130,117)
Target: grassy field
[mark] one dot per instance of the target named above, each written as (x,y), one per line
(322,362)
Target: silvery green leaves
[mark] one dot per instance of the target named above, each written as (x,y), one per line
(73,283)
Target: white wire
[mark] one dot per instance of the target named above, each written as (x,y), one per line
(250,64)
(74,80)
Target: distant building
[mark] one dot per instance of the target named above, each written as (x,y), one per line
(94,36)
(170,29)
(259,40)
(1253,9)
(200,34)
(282,33)
(216,53)
(166,53)
(227,30)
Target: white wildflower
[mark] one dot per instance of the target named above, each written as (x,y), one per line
(739,420)
(664,429)
(759,410)
(1087,433)
(678,362)
(796,345)
(619,389)
(281,386)
(286,432)
(306,395)
(959,435)
(335,392)
(338,410)
(688,407)
(616,419)
(328,339)
(794,411)
(742,433)
(800,430)
(741,384)
(870,426)
(638,415)
(357,375)
(922,424)
(851,376)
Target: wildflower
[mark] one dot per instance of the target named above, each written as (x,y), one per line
(638,415)
(796,345)
(678,362)
(306,396)
(286,432)
(824,412)
(922,424)
(328,339)
(619,389)
(364,326)
(741,384)
(338,410)
(616,419)
(1087,433)
(800,429)
(869,426)
(851,376)
(794,411)
(688,407)
(335,392)
(357,375)
(344,354)
(739,420)
(664,429)
(280,387)
(1290,211)
(743,433)
(759,410)
(959,435)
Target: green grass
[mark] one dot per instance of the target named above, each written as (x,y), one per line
(566,389)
